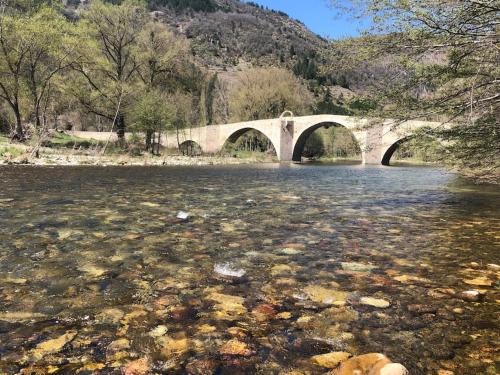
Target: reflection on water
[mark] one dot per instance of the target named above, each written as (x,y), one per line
(274,265)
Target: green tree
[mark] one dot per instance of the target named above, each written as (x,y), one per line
(34,48)
(442,60)
(265,93)
(108,73)
(54,48)
(152,114)
(160,55)
(14,50)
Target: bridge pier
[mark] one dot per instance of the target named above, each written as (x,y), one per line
(286,140)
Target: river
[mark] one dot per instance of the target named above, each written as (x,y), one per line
(246,269)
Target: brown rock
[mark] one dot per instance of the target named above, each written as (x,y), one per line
(138,367)
(201,367)
(422,309)
(370,364)
(237,332)
(264,312)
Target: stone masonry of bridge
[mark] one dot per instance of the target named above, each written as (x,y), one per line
(377,139)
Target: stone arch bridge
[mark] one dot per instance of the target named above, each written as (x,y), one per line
(377,140)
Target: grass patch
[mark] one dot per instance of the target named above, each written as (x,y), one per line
(10,151)
(62,140)
(4,139)
(240,154)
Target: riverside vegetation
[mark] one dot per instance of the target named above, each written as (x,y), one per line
(148,67)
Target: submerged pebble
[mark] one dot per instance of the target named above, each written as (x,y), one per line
(228,270)
(375,302)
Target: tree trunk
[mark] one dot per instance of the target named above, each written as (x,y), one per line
(18,131)
(158,143)
(120,128)
(149,135)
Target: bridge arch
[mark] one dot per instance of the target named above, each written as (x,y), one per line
(190,147)
(306,131)
(387,155)
(235,135)
(388,152)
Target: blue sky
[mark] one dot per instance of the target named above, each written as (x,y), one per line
(317,15)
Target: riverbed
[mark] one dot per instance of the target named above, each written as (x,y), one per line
(246,269)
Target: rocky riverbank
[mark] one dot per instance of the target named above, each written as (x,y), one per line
(123,160)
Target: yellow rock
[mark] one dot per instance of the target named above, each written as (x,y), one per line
(227,227)
(285,281)
(327,296)
(110,316)
(408,279)
(330,360)
(479,281)
(19,316)
(64,234)
(158,331)
(150,204)
(281,269)
(284,315)
(228,307)
(92,270)
(92,367)
(375,302)
(206,328)
(15,280)
(304,319)
(119,345)
(173,346)
(52,346)
(235,347)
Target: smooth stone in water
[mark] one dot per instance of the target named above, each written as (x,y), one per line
(327,296)
(357,267)
(235,347)
(394,369)
(470,295)
(493,267)
(370,364)
(181,215)
(375,302)
(227,270)
(479,281)
(138,367)
(52,346)
(330,360)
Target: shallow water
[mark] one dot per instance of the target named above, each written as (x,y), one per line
(96,270)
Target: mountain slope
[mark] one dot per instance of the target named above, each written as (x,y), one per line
(227,33)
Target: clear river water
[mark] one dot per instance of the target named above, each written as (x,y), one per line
(246,269)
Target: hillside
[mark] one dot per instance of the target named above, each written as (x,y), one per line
(227,36)
(226,33)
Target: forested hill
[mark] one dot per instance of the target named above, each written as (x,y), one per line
(226,33)
(229,33)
